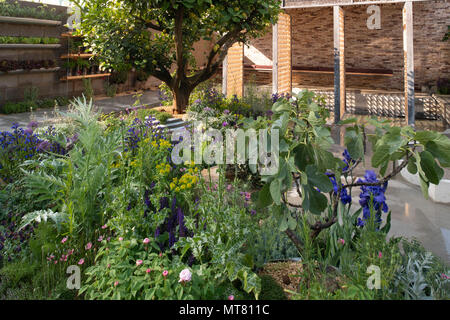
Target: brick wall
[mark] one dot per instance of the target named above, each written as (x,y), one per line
(235,70)
(284,53)
(312,45)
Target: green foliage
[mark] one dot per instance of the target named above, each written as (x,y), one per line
(88,90)
(259,100)
(118,275)
(447,34)
(77,193)
(119,76)
(14,273)
(28,40)
(40,12)
(422,274)
(336,266)
(110,89)
(305,157)
(131,34)
(31,103)
(42,216)
(268,245)
(161,116)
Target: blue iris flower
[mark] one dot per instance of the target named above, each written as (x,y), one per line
(376,194)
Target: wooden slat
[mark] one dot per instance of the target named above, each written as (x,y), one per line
(21,20)
(76,56)
(69,35)
(100,75)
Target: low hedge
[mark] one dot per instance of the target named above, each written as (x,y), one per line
(26,106)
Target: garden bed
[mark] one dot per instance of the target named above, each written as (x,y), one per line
(102,193)
(34,21)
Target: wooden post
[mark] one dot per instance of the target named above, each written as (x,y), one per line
(339,63)
(275,58)
(408,54)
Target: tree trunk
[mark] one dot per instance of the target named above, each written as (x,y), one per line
(181,98)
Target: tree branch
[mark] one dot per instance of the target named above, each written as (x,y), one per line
(295,240)
(180,74)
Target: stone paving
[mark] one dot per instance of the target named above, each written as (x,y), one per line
(105,104)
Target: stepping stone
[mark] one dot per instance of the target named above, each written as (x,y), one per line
(173,124)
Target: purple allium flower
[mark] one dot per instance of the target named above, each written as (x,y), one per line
(32,124)
(43,146)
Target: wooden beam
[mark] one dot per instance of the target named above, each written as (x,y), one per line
(408,52)
(341,3)
(275,58)
(98,75)
(339,63)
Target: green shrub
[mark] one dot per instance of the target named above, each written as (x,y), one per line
(161,116)
(28,40)
(118,76)
(88,90)
(18,107)
(41,12)
(13,273)
(110,89)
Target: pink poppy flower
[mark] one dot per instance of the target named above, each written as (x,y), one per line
(81,262)
(146,240)
(64,240)
(165,273)
(148,270)
(139,262)
(104,226)
(100,239)
(88,246)
(116,283)
(341,241)
(230,297)
(380,255)
(120,239)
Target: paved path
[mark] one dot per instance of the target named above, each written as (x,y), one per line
(106,105)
